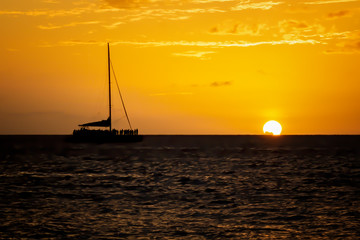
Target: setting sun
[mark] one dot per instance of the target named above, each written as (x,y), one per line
(272,127)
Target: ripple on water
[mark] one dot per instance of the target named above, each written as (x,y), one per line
(180,190)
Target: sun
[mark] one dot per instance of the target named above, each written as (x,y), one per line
(272,127)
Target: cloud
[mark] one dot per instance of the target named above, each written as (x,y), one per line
(25,13)
(214,44)
(47,13)
(132,10)
(293,29)
(171,93)
(133,3)
(194,54)
(291,25)
(114,25)
(220,84)
(243,5)
(73,43)
(350,44)
(73,24)
(329,2)
(210,1)
(168,14)
(338,14)
(235,28)
(350,47)
(50,1)
(220,44)
(82,7)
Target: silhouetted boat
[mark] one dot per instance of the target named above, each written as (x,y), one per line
(85,134)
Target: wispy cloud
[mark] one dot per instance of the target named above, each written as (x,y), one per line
(114,25)
(294,29)
(349,44)
(73,43)
(291,25)
(339,14)
(243,5)
(133,4)
(73,24)
(145,4)
(129,3)
(337,42)
(194,54)
(352,47)
(210,1)
(220,84)
(81,7)
(221,44)
(171,93)
(50,1)
(329,2)
(25,13)
(236,28)
(159,13)
(48,13)
(209,44)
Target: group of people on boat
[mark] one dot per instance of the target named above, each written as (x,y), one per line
(122,132)
(126,132)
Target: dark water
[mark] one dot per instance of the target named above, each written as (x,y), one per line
(181,187)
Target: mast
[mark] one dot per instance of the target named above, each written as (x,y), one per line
(109,75)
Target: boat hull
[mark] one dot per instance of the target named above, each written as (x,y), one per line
(106,139)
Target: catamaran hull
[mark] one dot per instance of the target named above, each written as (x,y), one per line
(106,139)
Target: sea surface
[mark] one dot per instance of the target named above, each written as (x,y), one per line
(181,187)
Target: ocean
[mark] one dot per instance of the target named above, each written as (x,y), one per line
(181,187)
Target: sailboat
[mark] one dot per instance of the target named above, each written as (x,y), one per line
(87,133)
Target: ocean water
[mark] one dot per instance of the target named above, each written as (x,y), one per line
(181,187)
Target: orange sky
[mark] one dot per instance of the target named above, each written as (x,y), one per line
(185,67)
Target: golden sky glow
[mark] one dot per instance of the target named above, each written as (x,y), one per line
(185,67)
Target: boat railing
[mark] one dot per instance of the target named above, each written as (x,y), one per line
(99,132)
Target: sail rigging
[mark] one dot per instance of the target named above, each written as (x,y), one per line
(122,100)
(108,122)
